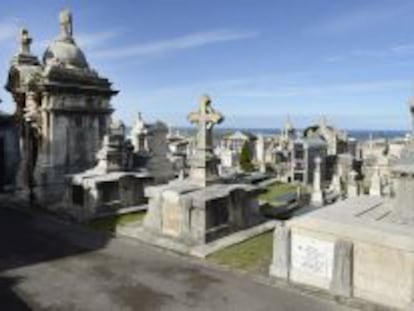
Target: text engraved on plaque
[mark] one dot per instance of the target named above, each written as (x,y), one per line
(312,256)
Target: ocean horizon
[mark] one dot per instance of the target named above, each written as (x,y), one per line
(355,133)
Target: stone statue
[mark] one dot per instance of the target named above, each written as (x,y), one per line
(66,27)
(25,42)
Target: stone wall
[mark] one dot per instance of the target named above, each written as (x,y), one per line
(344,265)
(9,157)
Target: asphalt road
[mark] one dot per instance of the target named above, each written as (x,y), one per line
(50,266)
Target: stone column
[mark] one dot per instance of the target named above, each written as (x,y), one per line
(317,194)
(280,265)
(260,153)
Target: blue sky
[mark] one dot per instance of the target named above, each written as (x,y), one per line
(352,60)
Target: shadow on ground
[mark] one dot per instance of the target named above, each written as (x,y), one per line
(30,238)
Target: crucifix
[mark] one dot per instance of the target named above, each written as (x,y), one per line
(204,163)
(205,119)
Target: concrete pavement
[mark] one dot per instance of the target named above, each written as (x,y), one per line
(46,265)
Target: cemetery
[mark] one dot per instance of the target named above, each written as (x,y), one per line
(304,208)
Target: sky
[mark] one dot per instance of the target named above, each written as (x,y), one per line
(259,60)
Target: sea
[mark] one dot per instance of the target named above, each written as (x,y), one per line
(360,135)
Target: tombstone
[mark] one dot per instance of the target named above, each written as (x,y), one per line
(138,135)
(336,185)
(260,153)
(200,208)
(150,148)
(317,193)
(375,188)
(353,186)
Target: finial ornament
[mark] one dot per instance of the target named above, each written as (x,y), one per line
(66,26)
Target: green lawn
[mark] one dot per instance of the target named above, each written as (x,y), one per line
(275,190)
(253,255)
(110,223)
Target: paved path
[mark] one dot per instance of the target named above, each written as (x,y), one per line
(45,266)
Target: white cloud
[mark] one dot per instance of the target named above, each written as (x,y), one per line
(256,87)
(178,43)
(86,40)
(396,52)
(406,49)
(334,59)
(8,30)
(362,18)
(93,40)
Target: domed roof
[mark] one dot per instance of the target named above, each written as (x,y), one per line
(65,52)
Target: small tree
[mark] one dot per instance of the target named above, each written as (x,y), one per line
(246,158)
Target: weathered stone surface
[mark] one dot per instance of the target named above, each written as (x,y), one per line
(317,193)
(204,163)
(9,152)
(195,215)
(281,253)
(379,267)
(65,106)
(151,149)
(375,188)
(341,284)
(311,260)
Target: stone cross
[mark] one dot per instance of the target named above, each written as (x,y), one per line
(66,26)
(204,163)
(25,42)
(205,119)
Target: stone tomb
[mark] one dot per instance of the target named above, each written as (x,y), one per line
(109,186)
(195,215)
(352,248)
(194,211)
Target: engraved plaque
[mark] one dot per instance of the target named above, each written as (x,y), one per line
(312,256)
(172,217)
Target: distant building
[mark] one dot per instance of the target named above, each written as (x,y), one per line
(303,154)
(231,145)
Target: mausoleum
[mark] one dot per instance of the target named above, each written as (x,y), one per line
(63,108)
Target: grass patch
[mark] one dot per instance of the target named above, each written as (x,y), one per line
(253,255)
(110,223)
(275,190)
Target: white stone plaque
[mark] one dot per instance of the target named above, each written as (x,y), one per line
(312,256)
(172,214)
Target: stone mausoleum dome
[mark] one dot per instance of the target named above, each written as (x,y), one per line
(63,50)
